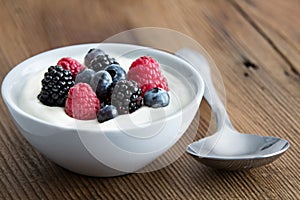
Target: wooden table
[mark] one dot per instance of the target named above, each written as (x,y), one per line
(254,43)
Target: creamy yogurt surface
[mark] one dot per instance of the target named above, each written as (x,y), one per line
(180,95)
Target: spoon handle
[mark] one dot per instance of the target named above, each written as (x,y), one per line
(210,94)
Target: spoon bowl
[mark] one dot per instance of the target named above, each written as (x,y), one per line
(228,149)
(235,151)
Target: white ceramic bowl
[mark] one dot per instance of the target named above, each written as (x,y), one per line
(120,146)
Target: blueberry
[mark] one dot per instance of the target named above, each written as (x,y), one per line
(106,113)
(85,76)
(101,83)
(91,55)
(156,98)
(117,72)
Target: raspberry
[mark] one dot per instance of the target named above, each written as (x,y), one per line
(82,102)
(145,60)
(126,97)
(55,86)
(71,64)
(147,73)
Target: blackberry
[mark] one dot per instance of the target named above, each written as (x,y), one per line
(126,96)
(101,61)
(91,55)
(55,86)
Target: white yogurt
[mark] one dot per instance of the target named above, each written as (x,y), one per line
(180,96)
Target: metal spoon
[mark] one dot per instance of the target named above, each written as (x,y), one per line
(228,149)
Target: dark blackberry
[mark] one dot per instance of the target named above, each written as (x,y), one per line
(101,61)
(55,86)
(126,97)
(91,55)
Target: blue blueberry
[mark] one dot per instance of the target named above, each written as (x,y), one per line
(101,83)
(117,72)
(85,76)
(106,113)
(156,98)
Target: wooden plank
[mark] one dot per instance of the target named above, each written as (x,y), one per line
(278,23)
(262,94)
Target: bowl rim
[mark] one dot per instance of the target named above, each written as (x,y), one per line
(10,103)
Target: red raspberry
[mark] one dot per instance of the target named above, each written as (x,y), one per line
(145,60)
(71,64)
(82,102)
(147,73)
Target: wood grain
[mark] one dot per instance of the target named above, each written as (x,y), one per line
(255,45)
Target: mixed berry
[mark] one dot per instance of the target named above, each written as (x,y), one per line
(126,96)
(82,102)
(72,65)
(156,97)
(147,73)
(101,61)
(101,89)
(55,86)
